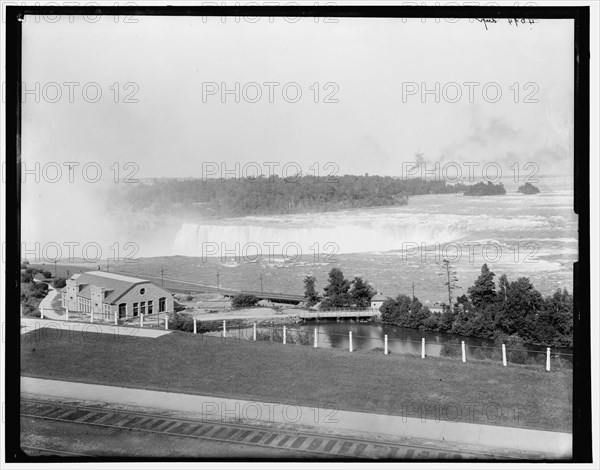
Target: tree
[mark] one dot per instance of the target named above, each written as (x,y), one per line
(404,311)
(518,312)
(554,324)
(451,279)
(447,319)
(361,292)
(244,300)
(310,293)
(337,291)
(503,288)
(39,289)
(483,292)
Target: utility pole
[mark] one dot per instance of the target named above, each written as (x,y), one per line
(68,274)
(413,291)
(54,268)
(218,284)
(261,283)
(162,281)
(107,264)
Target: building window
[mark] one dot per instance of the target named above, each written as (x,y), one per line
(135,309)
(143,308)
(150,307)
(142,291)
(122,310)
(162,304)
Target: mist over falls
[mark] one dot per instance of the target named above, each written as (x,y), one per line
(361,233)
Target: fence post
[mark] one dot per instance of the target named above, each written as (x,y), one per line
(195,326)
(92,317)
(315,345)
(166,322)
(42,312)
(254,333)
(464,353)
(67,314)
(350,341)
(224,329)
(422,348)
(503,355)
(385,347)
(548,359)
(142,320)
(284,334)
(116,317)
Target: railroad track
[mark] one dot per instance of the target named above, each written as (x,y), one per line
(46,451)
(317,444)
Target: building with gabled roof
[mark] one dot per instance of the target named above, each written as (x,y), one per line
(377,300)
(112,294)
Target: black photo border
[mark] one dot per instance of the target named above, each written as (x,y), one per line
(582,419)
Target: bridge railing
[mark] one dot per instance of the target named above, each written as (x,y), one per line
(339,313)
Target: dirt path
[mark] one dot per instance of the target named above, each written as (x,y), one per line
(45,306)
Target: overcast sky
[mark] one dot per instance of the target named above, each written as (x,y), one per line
(173,128)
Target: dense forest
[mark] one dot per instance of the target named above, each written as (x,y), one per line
(265,196)
(514,309)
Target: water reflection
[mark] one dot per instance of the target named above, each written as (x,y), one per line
(367,336)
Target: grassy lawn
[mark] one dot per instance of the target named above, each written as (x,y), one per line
(401,385)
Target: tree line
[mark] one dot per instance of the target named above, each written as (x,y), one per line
(512,309)
(339,292)
(274,195)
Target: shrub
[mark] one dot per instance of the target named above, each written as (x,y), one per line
(244,300)
(180,322)
(47,274)
(39,289)
(59,283)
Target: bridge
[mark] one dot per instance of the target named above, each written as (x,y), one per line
(338,314)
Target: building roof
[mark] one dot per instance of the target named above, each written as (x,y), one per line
(115,285)
(378,298)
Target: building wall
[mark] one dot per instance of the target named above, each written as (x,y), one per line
(151,292)
(71,295)
(134,295)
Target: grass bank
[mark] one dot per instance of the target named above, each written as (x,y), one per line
(293,374)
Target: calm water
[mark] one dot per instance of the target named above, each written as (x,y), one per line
(367,336)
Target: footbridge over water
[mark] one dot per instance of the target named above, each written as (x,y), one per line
(339,314)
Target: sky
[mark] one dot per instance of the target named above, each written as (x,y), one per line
(171,119)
